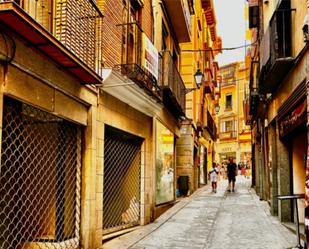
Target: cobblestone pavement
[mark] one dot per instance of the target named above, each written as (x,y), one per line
(212,221)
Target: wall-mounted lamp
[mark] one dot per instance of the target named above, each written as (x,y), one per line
(198,76)
(217,109)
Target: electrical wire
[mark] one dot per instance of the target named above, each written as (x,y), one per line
(219,49)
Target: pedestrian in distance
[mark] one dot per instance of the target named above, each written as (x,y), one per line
(213,173)
(243,170)
(222,171)
(231,174)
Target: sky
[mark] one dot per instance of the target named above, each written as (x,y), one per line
(231,26)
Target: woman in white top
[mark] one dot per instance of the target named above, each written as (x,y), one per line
(213,173)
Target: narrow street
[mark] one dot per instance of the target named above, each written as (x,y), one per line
(212,221)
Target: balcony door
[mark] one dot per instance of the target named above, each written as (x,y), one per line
(131,33)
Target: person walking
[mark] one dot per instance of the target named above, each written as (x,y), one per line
(243,170)
(231,174)
(213,173)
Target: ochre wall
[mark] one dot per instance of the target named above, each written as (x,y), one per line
(41,83)
(117,114)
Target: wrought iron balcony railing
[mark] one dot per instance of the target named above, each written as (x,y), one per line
(77,24)
(211,126)
(172,84)
(276,48)
(132,61)
(228,135)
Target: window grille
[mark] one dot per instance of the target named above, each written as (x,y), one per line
(39,179)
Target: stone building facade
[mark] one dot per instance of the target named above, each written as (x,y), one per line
(278,102)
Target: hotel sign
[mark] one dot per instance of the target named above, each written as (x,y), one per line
(150,57)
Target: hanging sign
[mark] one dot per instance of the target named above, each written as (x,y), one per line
(293,119)
(150,57)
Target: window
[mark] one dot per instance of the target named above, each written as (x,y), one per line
(253,17)
(228,101)
(228,126)
(164,36)
(131,34)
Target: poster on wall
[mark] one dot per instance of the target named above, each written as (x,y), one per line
(164,164)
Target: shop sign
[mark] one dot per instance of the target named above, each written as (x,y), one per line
(227,149)
(293,119)
(150,57)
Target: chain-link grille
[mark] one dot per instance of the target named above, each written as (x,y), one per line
(122,164)
(39,179)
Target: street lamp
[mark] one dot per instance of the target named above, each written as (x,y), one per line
(217,109)
(198,76)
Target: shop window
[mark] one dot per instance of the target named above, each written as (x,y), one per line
(164,164)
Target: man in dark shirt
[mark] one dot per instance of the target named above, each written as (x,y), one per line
(231,174)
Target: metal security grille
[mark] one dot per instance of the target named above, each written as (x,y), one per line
(122,165)
(39,179)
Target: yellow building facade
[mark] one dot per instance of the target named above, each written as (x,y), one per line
(234,135)
(198,132)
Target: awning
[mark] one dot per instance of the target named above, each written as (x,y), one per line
(130,93)
(39,38)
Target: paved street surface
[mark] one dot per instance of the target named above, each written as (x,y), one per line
(212,221)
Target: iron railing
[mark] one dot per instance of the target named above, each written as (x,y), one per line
(122,174)
(40,179)
(172,80)
(280,35)
(277,41)
(228,135)
(78,24)
(132,61)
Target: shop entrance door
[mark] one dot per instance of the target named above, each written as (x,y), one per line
(122,174)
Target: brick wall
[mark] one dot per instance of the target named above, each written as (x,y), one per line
(112,10)
(147,18)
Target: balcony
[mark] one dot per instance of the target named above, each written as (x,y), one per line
(179,13)
(72,38)
(276,49)
(229,135)
(246,107)
(134,64)
(208,85)
(211,126)
(172,85)
(210,17)
(254,100)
